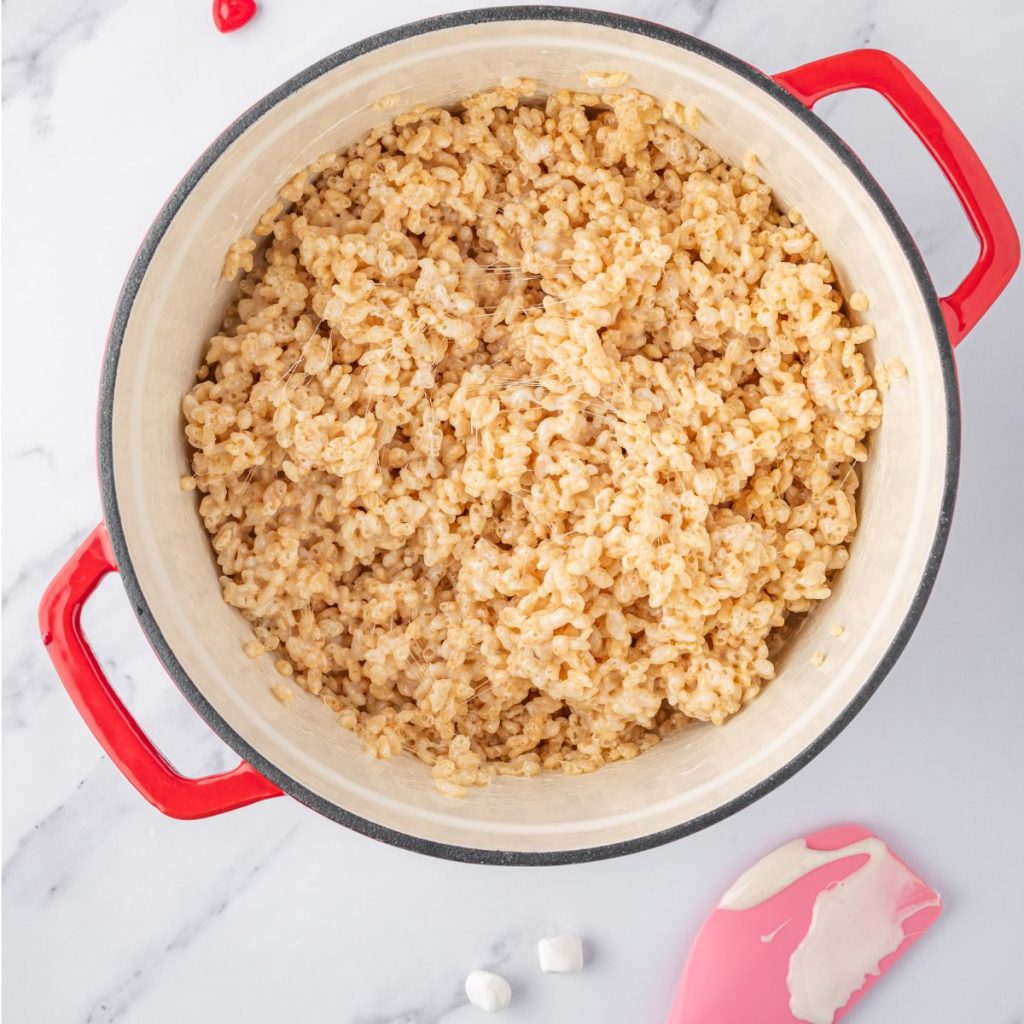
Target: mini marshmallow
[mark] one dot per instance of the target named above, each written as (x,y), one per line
(561,954)
(487,991)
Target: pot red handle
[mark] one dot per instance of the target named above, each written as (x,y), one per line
(60,620)
(928,119)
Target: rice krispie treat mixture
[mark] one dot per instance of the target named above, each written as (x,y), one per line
(530,423)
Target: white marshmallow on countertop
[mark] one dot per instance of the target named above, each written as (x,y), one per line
(488,991)
(561,954)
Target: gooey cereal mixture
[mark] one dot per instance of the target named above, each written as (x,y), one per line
(530,423)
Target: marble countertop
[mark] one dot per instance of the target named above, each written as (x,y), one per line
(115,913)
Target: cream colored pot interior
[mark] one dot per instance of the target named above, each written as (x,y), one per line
(181,301)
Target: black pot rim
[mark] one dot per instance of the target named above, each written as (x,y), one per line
(105,435)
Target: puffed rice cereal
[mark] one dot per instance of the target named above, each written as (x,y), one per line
(530,425)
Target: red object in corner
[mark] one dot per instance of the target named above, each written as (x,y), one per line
(928,119)
(229,15)
(60,615)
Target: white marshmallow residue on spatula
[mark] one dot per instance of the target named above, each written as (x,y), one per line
(487,991)
(561,954)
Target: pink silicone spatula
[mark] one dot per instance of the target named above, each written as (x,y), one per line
(804,934)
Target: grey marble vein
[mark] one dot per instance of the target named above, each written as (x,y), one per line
(26,868)
(32,569)
(692,16)
(35,43)
(116,1002)
(37,451)
(27,674)
(435,1013)
(27,679)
